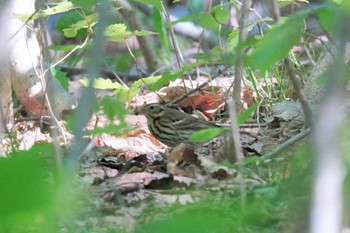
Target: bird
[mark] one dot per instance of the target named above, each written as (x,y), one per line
(173,127)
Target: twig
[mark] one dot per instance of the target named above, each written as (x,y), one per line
(300,94)
(253,125)
(132,55)
(240,53)
(307,51)
(23,25)
(178,55)
(234,107)
(237,151)
(235,132)
(45,83)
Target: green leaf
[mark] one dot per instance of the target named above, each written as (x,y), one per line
(143,33)
(122,92)
(126,94)
(116,32)
(101,83)
(207,20)
(85,4)
(243,117)
(59,8)
(277,43)
(62,47)
(67,19)
(328,17)
(26,191)
(70,32)
(61,77)
(206,134)
(207,215)
(233,38)
(344,4)
(87,23)
(252,160)
(135,87)
(168,76)
(112,107)
(155,3)
(221,14)
(160,27)
(204,19)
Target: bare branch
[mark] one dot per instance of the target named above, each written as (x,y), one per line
(240,53)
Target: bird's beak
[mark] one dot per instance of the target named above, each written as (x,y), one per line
(138,111)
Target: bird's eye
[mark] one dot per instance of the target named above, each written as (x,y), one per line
(152,108)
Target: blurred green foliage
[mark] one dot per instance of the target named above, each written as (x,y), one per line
(31,198)
(278,204)
(36,196)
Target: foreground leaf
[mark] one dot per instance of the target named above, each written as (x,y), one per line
(277,43)
(206,134)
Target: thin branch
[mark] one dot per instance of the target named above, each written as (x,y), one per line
(178,55)
(235,155)
(290,142)
(132,55)
(240,53)
(300,94)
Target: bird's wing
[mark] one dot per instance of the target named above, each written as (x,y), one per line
(193,123)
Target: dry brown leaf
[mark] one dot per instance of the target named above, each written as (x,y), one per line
(143,143)
(205,101)
(182,161)
(172,93)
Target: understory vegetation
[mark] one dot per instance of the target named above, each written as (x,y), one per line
(260,75)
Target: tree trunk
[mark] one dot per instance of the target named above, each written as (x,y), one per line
(30,74)
(6,112)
